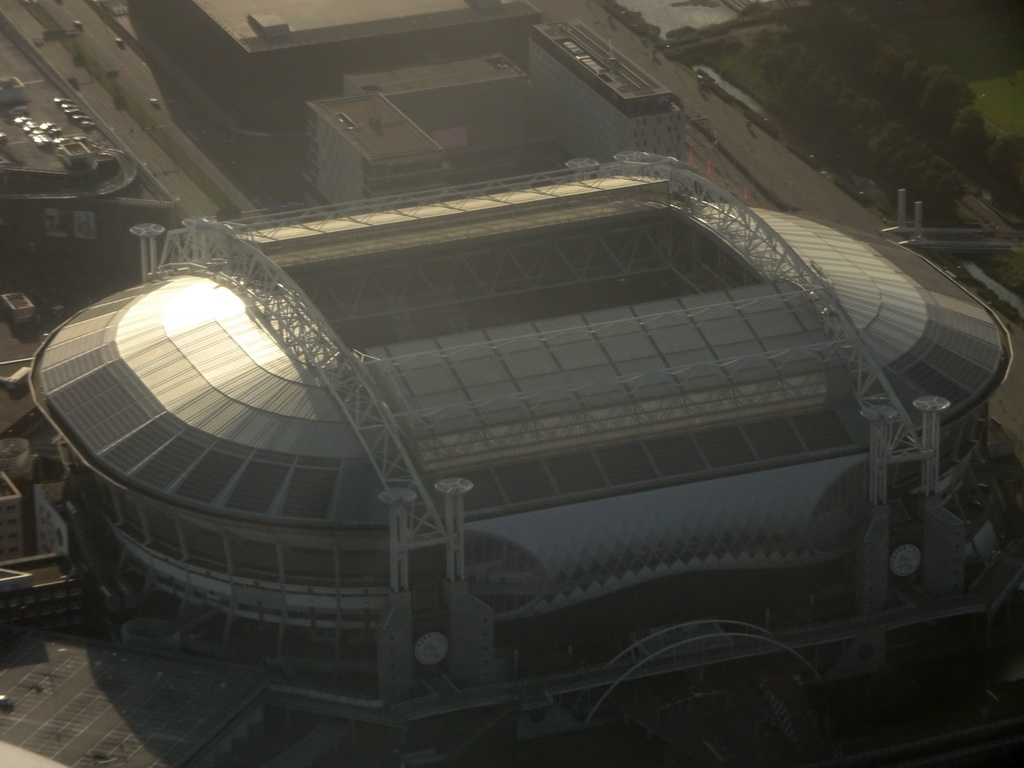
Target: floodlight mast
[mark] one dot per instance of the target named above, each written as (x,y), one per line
(213,249)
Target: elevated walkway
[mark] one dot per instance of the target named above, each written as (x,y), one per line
(327,235)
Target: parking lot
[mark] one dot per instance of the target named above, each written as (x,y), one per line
(39,118)
(65,121)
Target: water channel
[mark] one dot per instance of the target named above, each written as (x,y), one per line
(1004,293)
(730,89)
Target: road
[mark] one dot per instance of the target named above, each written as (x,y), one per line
(790,179)
(138,84)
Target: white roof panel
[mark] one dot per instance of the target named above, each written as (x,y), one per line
(184,368)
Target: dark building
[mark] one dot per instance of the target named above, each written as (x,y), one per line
(264,66)
(38,591)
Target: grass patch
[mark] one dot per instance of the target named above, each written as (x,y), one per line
(736,65)
(985,49)
(1001,100)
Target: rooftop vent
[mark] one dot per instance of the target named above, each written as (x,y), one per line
(269,26)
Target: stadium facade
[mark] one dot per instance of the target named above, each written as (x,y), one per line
(541,391)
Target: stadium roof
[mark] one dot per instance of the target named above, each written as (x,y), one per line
(630,371)
(179,386)
(930,336)
(186,388)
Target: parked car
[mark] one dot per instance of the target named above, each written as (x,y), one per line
(6,703)
(86,125)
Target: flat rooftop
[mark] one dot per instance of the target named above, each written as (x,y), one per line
(376,126)
(81,703)
(443,74)
(315,21)
(581,46)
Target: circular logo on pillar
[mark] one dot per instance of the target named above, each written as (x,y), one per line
(904,560)
(431,648)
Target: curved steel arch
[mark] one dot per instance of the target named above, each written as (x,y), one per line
(628,673)
(696,623)
(212,248)
(774,258)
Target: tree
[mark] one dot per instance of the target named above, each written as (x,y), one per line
(941,189)
(942,98)
(888,69)
(912,81)
(1006,156)
(968,138)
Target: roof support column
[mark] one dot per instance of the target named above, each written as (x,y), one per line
(399,500)
(930,407)
(882,419)
(454,490)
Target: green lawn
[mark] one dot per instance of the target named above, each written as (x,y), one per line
(988,50)
(1001,100)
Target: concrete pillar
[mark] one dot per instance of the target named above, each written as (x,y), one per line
(872,562)
(394,649)
(942,561)
(471,636)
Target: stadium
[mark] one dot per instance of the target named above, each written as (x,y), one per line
(552,391)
